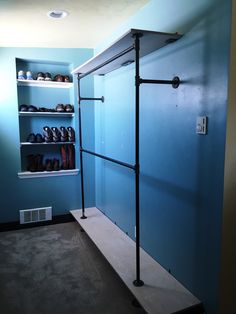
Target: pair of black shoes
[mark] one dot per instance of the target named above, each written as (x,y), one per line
(35,163)
(55,135)
(61,78)
(35,138)
(26,108)
(52,164)
(44,76)
(59,108)
(43,109)
(31,108)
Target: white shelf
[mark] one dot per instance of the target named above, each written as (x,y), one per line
(44,143)
(47,84)
(161,292)
(150,41)
(46,114)
(41,174)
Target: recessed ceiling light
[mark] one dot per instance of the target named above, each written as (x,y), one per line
(57,14)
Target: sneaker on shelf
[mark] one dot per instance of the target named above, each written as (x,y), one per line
(48,76)
(42,109)
(40,76)
(29,75)
(67,79)
(31,138)
(69,108)
(59,78)
(60,108)
(23,108)
(21,75)
(32,108)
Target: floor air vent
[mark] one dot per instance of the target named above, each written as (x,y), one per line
(35,215)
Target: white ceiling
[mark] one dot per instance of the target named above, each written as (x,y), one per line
(24,23)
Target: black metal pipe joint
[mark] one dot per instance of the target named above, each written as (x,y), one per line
(175,82)
(92,98)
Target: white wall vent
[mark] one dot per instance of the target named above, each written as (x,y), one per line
(35,215)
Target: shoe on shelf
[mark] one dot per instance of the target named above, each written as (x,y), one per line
(31,138)
(56,164)
(31,163)
(21,75)
(42,109)
(71,156)
(67,79)
(48,76)
(71,134)
(60,108)
(23,108)
(32,108)
(48,165)
(39,138)
(64,160)
(47,134)
(56,135)
(39,162)
(64,134)
(69,108)
(29,75)
(40,76)
(59,78)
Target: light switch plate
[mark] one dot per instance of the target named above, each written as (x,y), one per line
(201,125)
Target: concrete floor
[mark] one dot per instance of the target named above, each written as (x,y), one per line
(57,269)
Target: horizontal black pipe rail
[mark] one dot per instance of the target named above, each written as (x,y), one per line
(175,82)
(92,98)
(118,55)
(109,159)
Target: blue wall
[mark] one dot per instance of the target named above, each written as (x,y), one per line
(62,193)
(181,172)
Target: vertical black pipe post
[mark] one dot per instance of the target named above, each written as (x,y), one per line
(81,153)
(137,282)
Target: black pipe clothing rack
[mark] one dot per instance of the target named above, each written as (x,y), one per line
(128,49)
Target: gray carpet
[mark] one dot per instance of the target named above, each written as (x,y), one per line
(57,269)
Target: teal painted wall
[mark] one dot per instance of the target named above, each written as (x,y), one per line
(182,173)
(62,193)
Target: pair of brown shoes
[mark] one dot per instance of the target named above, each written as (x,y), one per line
(64,108)
(62,78)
